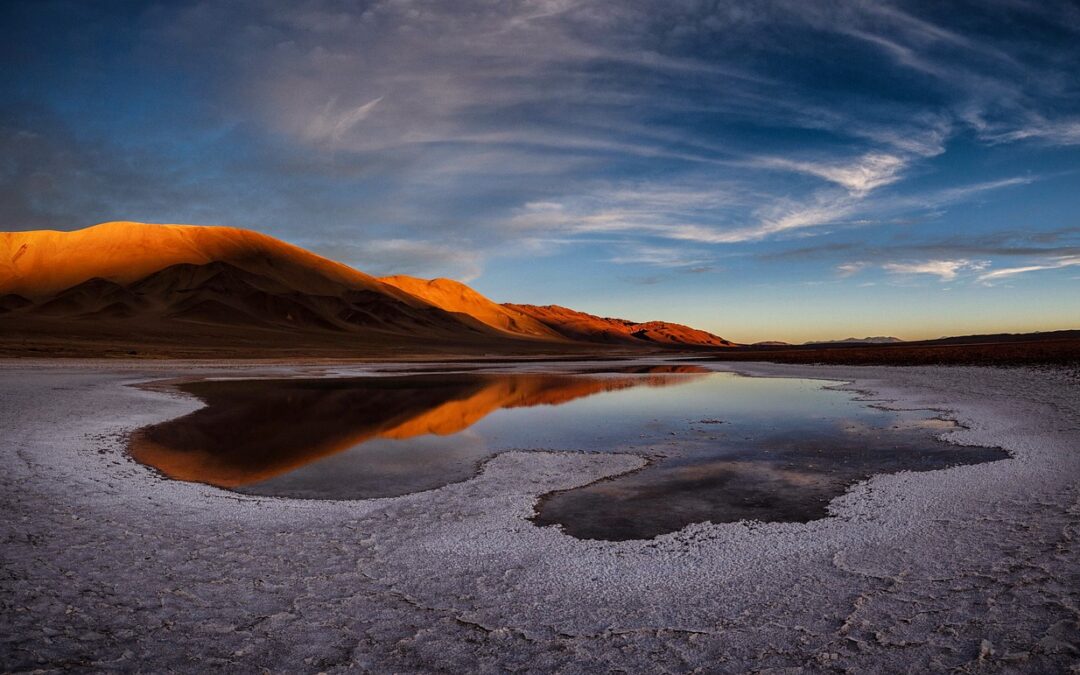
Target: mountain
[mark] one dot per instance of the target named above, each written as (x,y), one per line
(36,264)
(454,296)
(151,276)
(580,326)
(128,287)
(878,340)
(551,321)
(1059,347)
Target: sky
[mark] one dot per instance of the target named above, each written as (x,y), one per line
(766,170)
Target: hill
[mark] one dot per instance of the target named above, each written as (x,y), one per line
(580,326)
(1060,347)
(877,340)
(180,290)
(454,296)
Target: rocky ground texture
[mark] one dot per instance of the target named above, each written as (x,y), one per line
(107,566)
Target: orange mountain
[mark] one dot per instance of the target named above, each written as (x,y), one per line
(454,296)
(580,326)
(125,287)
(37,264)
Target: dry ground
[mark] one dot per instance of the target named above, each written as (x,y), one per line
(107,566)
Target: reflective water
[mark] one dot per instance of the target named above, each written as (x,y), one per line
(722,447)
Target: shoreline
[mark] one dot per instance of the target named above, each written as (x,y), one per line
(458,576)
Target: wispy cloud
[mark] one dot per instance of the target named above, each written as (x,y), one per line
(963,192)
(1055,132)
(382,257)
(1048,264)
(331,123)
(659,256)
(1010,243)
(952,269)
(868,172)
(719,216)
(945,270)
(850,269)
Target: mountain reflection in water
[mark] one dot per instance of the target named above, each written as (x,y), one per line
(252,431)
(723,447)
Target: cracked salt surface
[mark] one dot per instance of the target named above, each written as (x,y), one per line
(108,566)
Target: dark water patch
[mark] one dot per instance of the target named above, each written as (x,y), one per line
(778,477)
(724,447)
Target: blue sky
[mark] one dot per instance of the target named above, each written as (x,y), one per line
(764,170)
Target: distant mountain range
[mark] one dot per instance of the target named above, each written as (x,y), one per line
(878,340)
(196,285)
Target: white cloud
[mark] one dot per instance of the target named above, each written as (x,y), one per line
(658,256)
(702,215)
(945,270)
(666,211)
(331,124)
(963,192)
(1056,132)
(1051,264)
(673,225)
(823,211)
(868,172)
(850,269)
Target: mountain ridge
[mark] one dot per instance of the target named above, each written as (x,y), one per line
(875,340)
(454,296)
(584,326)
(188,282)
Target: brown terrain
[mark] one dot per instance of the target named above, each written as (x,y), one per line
(134,289)
(1049,348)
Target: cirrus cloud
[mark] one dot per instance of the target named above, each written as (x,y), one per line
(945,270)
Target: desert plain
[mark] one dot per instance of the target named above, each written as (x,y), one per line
(109,565)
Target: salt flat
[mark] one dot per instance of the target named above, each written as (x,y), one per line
(108,566)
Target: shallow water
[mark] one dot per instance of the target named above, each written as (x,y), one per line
(723,447)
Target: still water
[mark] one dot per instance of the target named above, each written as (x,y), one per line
(722,447)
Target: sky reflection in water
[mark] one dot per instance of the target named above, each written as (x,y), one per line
(724,447)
